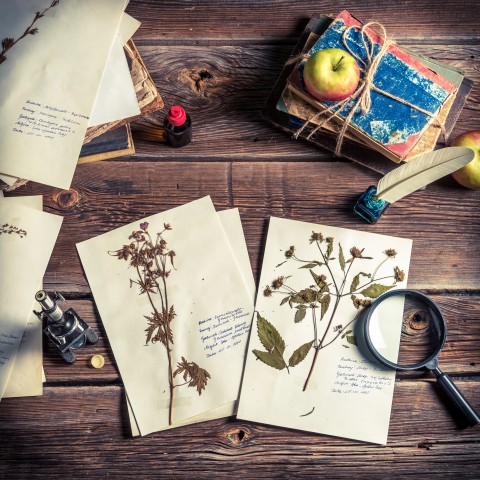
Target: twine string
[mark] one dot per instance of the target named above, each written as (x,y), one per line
(361,98)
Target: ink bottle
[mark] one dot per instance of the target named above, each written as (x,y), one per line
(178,127)
(369,207)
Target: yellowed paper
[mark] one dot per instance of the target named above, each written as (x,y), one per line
(24,255)
(50,80)
(213,313)
(347,395)
(26,377)
(232,226)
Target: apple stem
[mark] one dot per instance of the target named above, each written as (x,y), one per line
(338,63)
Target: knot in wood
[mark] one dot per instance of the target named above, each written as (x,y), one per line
(416,322)
(237,436)
(197,78)
(67,199)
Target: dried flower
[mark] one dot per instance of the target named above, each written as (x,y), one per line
(329,240)
(356,252)
(398,274)
(167,226)
(316,237)
(391,252)
(33,31)
(267,292)
(290,252)
(360,302)
(144,226)
(278,283)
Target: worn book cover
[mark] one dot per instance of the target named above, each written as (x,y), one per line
(392,126)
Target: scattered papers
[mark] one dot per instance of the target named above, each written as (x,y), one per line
(52,76)
(315,280)
(27,238)
(172,281)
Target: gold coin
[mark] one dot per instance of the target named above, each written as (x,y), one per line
(97,361)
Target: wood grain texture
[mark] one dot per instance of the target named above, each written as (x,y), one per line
(108,195)
(87,432)
(272,20)
(223,88)
(220,60)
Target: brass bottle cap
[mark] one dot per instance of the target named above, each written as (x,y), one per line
(97,361)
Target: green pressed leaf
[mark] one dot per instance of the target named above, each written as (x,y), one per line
(300,315)
(299,354)
(341,258)
(285,300)
(356,280)
(375,290)
(312,265)
(269,336)
(324,304)
(351,339)
(329,250)
(271,359)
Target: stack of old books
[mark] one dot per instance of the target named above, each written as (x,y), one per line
(415,103)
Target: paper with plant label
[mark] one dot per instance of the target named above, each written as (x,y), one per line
(52,60)
(27,238)
(176,310)
(27,373)
(232,226)
(304,369)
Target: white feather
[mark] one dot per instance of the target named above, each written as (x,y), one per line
(421,171)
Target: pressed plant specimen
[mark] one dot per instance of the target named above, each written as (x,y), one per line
(152,260)
(8,43)
(9,229)
(322,300)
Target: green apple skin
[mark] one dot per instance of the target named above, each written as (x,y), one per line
(469,175)
(331,75)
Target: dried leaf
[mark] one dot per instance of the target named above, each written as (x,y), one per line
(300,315)
(324,304)
(341,258)
(351,339)
(193,374)
(319,279)
(299,354)
(356,281)
(375,290)
(329,250)
(7,43)
(269,336)
(312,265)
(285,300)
(271,359)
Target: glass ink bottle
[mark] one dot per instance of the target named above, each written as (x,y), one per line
(178,127)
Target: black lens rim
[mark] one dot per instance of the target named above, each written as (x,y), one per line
(403,292)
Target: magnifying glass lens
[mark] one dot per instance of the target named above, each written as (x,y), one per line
(405,330)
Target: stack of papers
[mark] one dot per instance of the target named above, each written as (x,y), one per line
(62,70)
(175,292)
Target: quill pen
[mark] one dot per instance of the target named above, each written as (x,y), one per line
(408,178)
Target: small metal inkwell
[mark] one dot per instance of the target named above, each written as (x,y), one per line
(67,331)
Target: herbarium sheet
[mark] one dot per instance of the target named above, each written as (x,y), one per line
(304,369)
(176,310)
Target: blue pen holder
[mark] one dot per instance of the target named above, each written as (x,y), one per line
(368,207)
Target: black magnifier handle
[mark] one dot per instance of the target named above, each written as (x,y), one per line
(454,394)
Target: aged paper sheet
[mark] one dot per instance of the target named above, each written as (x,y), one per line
(232,225)
(208,295)
(52,75)
(26,377)
(27,238)
(304,369)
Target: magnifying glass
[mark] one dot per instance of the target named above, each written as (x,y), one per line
(413,343)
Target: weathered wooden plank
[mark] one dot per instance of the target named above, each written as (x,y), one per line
(280,20)
(224,88)
(443,220)
(87,433)
(460,355)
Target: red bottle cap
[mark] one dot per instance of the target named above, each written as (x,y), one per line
(177,116)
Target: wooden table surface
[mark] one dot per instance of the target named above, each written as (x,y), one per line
(220,59)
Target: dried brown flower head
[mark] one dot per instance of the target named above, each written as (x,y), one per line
(167,226)
(278,283)
(398,274)
(316,237)
(391,252)
(267,292)
(356,252)
(144,226)
(290,252)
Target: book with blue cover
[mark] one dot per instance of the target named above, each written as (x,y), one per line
(391,127)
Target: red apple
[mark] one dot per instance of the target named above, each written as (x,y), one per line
(331,75)
(469,175)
